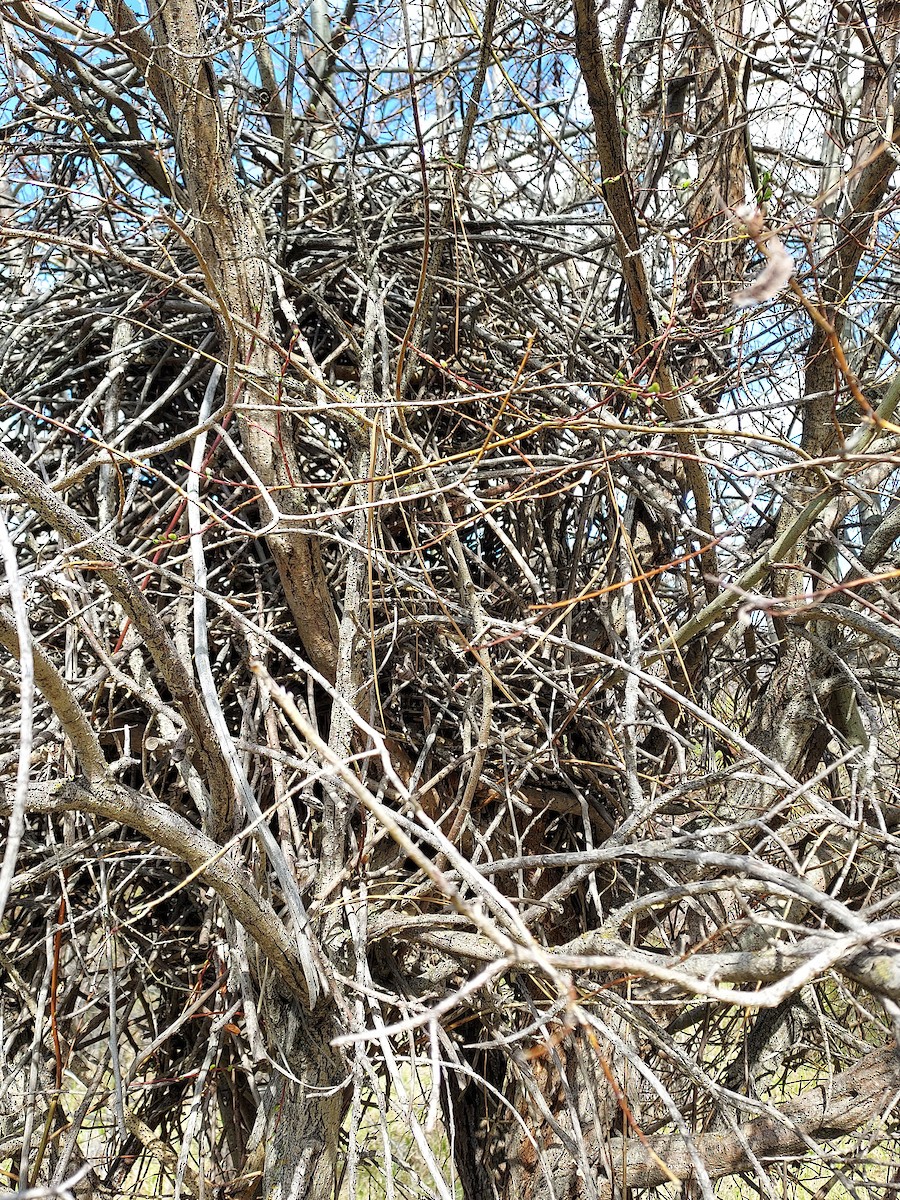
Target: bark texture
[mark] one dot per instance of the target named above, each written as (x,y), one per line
(232,253)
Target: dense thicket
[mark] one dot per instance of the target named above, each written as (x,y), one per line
(450,623)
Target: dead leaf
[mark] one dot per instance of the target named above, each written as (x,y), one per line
(777,271)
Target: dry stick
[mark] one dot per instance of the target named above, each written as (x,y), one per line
(784,969)
(734,595)
(364,451)
(841,1105)
(425,287)
(778,274)
(53,687)
(315,980)
(231,251)
(526,949)
(213,302)
(214,864)
(16,826)
(110,568)
(430,269)
(620,206)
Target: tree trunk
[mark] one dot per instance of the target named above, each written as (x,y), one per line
(306,1104)
(719,119)
(230,243)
